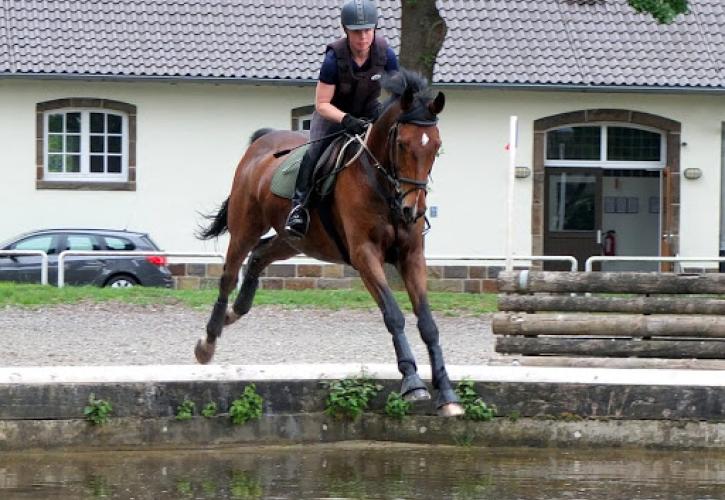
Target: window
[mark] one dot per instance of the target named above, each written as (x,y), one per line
(573,202)
(610,146)
(46,243)
(113,243)
(86,144)
(302,118)
(81,242)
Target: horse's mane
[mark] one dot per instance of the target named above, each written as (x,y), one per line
(398,82)
(403,80)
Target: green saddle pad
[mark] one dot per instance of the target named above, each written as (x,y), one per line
(283,181)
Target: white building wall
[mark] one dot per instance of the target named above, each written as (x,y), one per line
(190,137)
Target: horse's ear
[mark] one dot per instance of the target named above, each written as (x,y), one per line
(406,100)
(437,104)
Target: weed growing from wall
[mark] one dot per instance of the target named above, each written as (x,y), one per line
(476,408)
(396,407)
(349,397)
(247,407)
(185,411)
(98,411)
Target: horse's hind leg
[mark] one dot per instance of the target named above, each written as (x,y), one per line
(267,251)
(236,252)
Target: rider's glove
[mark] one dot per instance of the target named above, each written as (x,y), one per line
(353,125)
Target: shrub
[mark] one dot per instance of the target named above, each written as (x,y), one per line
(247,407)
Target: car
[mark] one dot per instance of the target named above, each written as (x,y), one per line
(104,270)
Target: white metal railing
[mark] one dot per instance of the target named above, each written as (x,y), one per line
(43,261)
(516,258)
(607,258)
(123,253)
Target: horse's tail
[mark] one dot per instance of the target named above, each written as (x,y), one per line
(259,133)
(218,224)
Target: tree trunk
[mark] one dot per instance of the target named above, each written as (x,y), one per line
(422,32)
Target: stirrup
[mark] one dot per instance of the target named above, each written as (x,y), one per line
(298,222)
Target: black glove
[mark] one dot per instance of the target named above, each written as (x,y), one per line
(353,125)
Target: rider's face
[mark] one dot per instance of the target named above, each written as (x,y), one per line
(360,40)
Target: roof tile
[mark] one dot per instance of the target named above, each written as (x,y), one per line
(489,41)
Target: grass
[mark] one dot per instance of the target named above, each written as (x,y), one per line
(448,303)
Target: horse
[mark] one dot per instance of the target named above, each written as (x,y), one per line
(374,215)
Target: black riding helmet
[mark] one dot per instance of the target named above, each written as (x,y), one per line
(359,15)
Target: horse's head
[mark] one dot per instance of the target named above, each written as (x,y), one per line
(413,140)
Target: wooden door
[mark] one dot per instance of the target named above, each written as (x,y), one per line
(573,211)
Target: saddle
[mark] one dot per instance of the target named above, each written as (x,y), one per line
(326,169)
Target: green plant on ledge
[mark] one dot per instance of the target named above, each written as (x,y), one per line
(246,407)
(396,407)
(98,410)
(349,397)
(209,410)
(185,411)
(476,408)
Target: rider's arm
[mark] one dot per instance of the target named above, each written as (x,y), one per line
(323,97)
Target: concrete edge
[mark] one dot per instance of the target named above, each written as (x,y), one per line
(477,373)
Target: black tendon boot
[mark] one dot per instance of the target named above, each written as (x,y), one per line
(298,219)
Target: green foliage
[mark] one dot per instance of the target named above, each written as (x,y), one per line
(396,407)
(246,407)
(349,397)
(475,407)
(98,411)
(664,11)
(514,415)
(209,410)
(185,411)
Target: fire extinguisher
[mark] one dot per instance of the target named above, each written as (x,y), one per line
(610,243)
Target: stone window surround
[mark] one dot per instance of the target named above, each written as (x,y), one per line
(670,129)
(84,102)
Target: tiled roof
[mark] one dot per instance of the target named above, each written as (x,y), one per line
(489,42)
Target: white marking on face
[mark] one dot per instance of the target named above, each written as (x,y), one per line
(424,139)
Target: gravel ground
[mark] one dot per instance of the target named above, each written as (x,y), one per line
(123,334)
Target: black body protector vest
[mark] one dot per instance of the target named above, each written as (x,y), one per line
(358,92)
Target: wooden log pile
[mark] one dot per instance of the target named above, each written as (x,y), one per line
(606,314)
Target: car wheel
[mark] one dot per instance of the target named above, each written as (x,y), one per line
(121,281)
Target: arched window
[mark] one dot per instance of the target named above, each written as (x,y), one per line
(86,143)
(606,146)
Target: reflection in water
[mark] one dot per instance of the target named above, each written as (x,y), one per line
(364,470)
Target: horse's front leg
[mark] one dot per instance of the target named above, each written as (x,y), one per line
(370,266)
(413,272)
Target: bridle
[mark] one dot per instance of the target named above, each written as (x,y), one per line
(389,172)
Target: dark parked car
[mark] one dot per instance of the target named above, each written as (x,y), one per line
(114,271)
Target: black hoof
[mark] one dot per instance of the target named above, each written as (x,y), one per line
(413,389)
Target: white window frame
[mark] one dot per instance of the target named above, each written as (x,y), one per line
(85,175)
(603,162)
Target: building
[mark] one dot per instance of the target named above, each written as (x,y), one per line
(134,114)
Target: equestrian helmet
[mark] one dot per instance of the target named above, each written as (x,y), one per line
(359,15)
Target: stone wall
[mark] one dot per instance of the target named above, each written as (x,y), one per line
(457,278)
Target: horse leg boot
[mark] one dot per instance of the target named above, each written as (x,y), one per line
(298,220)
(413,388)
(447,402)
(267,251)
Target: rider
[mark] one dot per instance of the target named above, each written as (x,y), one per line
(346,96)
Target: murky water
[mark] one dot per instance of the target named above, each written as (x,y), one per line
(365,470)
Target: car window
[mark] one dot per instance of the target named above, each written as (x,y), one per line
(113,243)
(44,243)
(81,242)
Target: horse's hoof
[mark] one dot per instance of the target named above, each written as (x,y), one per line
(204,351)
(417,395)
(451,410)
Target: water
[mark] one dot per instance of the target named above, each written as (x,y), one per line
(366,471)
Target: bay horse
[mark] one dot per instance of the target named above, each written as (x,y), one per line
(376,214)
